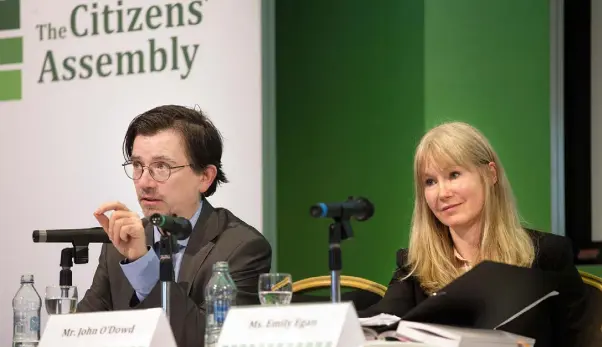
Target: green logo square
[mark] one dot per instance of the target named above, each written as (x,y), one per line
(10,85)
(10,15)
(11,50)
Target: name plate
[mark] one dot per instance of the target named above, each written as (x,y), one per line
(133,328)
(296,325)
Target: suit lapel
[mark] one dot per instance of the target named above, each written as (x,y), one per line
(199,245)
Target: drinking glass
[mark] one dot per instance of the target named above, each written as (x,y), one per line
(275,289)
(61,299)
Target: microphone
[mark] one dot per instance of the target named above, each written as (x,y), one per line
(79,236)
(178,226)
(76,236)
(359,208)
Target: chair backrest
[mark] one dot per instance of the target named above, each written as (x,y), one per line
(593,329)
(362,292)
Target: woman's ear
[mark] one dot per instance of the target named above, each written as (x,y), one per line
(493,171)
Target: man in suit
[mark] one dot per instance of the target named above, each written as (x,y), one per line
(173,155)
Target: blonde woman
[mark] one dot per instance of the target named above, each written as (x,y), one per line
(464,213)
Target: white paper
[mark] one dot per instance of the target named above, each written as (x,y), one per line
(381,319)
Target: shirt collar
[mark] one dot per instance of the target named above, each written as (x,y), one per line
(465,263)
(193,220)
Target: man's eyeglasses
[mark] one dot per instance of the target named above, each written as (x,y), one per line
(159,171)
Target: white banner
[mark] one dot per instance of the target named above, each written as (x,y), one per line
(84,71)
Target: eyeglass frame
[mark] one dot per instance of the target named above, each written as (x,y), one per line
(150,171)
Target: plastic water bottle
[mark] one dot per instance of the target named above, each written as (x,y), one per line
(26,314)
(220,295)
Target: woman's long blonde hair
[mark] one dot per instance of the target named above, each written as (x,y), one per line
(431,254)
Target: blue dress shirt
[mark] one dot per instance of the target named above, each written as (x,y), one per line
(143,273)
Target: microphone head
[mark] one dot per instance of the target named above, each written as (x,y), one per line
(318,210)
(157,219)
(36,236)
(359,208)
(180,227)
(368,210)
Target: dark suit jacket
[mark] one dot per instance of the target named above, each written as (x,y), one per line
(217,236)
(556,323)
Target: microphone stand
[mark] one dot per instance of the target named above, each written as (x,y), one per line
(339,231)
(77,254)
(65,276)
(166,270)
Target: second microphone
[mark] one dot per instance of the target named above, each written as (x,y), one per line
(179,227)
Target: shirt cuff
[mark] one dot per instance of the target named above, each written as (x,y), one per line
(142,273)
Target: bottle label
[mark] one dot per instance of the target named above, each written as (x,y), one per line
(220,310)
(34,323)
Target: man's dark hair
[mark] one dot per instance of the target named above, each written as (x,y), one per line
(203,142)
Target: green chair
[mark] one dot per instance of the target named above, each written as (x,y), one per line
(362,292)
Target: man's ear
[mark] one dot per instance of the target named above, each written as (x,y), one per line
(207,177)
(493,171)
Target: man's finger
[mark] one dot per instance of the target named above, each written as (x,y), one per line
(103,221)
(111,206)
(125,227)
(116,230)
(112,226)
(125,231)
(123,214)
